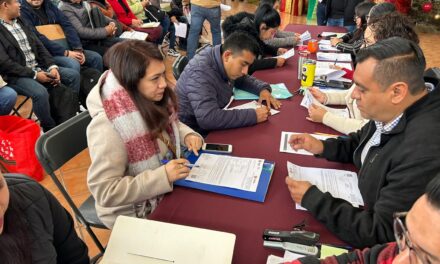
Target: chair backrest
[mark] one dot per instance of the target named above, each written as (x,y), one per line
(55,33)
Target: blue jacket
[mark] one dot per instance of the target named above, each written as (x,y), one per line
(204,90)
(54,16)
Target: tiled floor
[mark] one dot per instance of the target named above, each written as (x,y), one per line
(74,173)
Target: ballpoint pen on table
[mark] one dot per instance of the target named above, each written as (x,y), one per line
(189,165)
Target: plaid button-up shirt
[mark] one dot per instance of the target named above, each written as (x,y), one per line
(18,33)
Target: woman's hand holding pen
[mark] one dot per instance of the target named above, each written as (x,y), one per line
(176,169)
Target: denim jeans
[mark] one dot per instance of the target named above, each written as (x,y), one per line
(7,99)
(335,22)
(320,14)
(40,100)
(167,26)
(93,60)
(198,16)
(70,78)
(350,28)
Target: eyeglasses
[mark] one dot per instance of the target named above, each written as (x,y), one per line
(404,242)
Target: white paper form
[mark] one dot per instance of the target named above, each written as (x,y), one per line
(333,56)
(308,100)
(326,65)
(181,29)
(288,256)
(323,47)
(339,183)
(305,36)
(285,146)
(227,171)
(289,54)
(252,105)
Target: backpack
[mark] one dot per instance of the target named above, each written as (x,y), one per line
(181,61)
(63,103)
(89,78)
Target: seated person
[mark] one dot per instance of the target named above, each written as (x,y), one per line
(391,25)
(27,66)
(34,227)
(352,41)
(395,157)
(126,16)
(417,235)
(206,86)
(380,9)
(133,107)
(281,38)
(8,97)
(261,27)
(44,12)
(98,39)
(107,10)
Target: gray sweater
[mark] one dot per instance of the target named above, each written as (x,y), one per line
(282,39)
(77,14)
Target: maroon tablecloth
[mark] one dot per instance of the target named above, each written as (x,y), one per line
(245,218)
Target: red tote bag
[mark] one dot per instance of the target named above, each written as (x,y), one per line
(17,146)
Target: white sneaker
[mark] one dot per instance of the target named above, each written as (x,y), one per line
(173,53)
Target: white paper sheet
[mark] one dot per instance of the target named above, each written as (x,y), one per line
(324,42)
(227,171)
(288,257)
(285,146)
(289,54)
(150,25)
(323,47)
(326,65)
(252,105)
(181,29)
(339,183)
(134,35)
(305,36)
(333,56)
(308,100)
(330,74)
(225,7)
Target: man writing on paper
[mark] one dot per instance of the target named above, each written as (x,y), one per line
(417,236)
(206,86)
(396,152)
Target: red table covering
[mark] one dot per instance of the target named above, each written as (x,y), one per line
(248,219)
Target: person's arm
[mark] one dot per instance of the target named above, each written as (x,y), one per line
(107,177)
(281,42)
(83,31)
(121,15)
(262,64)
(346,38)
(251,84)
(135,6)
(69,31)
(202,95)
(336,97)
(184,131)
(348,73)
(343,124)
(352,48)
(69,247)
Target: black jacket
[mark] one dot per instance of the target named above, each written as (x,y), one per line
(12,59)
(51,231)
(393,176)
(245,22)
(348,12)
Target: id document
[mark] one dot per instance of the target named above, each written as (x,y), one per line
(285,146)
(339,183)
(227,171)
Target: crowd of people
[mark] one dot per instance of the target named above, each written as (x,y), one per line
(150,128)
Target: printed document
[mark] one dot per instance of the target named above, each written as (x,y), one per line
(150,25)
(252,105)
(323,56)
(134,35)
(308,100)
(181,29)
(289,54)
(227,171)
(285,146)
(323,47)
(339,183)
(326,65)
(305,36)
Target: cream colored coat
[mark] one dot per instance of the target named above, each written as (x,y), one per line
(339,123)
(114,191)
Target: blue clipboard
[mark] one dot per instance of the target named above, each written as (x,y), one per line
(258,196)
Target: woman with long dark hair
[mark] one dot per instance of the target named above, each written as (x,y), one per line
(34,227)
(133,131)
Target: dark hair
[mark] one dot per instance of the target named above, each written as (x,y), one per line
(380,10)
(14,241)
(398,59)
(394,25)
(268,2)
(129,61)
(268,15)
(433,191)
(362,10)
(239,41)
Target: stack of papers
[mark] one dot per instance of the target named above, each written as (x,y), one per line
(134,35)
(330,74)
(333,56)
(252,105)
(227,171)
(150,25)
(289,54)
(285,146)
(326,65)
(308,100)
(339,183)
(305,36)
(323,47)
(279,91)
(324,42)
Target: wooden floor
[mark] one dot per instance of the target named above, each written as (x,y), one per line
(74,173)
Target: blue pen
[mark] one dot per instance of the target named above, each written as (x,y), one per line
(189,165)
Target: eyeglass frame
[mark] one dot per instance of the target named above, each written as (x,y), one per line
(405,235)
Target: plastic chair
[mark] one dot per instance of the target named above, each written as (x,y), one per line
(56,147)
